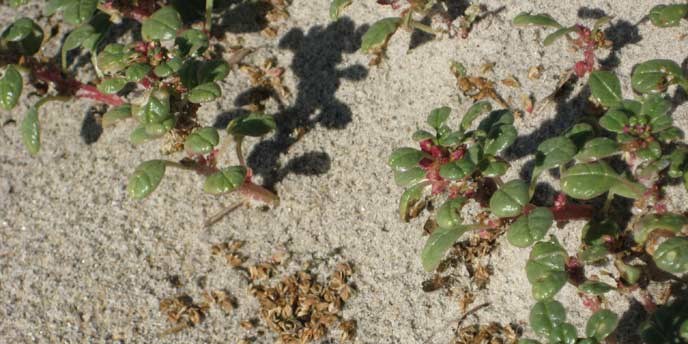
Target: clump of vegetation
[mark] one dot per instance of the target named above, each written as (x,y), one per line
(159,83)
(375,40)
(587,40)
(455,166)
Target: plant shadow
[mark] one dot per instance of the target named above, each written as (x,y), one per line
(317,56)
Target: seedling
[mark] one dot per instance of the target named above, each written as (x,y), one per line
(587,39)
(374,41)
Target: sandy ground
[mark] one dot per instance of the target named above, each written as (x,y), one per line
(80,262)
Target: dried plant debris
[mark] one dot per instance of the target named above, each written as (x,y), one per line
(301,309)
(268,75)
(183,312)
(492,333)
(471,254)
(476,87)
(230,251)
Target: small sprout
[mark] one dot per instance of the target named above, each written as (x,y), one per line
(146,178)
(595,288)
(374,41)
(541,19)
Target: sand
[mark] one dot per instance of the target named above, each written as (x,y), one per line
(80,262)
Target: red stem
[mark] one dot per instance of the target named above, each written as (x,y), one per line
(570,212)
(70,86)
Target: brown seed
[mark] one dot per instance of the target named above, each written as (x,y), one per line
(511,81)
(535,72)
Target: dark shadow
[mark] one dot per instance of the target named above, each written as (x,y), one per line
(456,8)
(239,16)
(317,55)
(90,127)
(222,120)
(621,33)
(629,322)
(590,13)
(419,37)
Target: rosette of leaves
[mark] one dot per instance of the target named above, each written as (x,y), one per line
(448,167)
(548,320)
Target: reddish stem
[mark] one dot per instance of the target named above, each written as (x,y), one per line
(258,193)
(70,86)
(570,212)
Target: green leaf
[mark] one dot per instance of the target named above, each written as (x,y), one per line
(193,72)
(554,36)
(668,15)
(409,200)
(594,287)
(650,170)
(202,141)
(137,71)
(528,341)
(11,85)
(630,274)
(672,255)
(227,180)
(76,39)
(438,117)
(474,112)
(655,105)
(255,124)
(79,11)
(31,131)
(438,243)
(112,85)
(146,178)
(545,269)
(449,213)
(564,334)
(337,6)
(655,75)
(162,25)
(587,181)
(606,88)
(665,326)
(409,177)
(458,169)
(598,148)
(601,324)
(670,222)
(670,135)
(554,152)
(452,139)
(530,228)
(192,42)
(510,199)
(375,39)
(547,315)
(493,167)
(579,134)
(653,151)
(499,138)
(140,136)
(596,233)
(404,158)
(114,58)
(678,162)
(205,93)
(116,114)
(542,19)
(593,254)
(24,36)
(156,110)
(683,331)
(422,135)
(614,120)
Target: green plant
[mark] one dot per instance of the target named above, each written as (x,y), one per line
(172,67)
(629,152)
(587,39)
(668,15)
(374,41)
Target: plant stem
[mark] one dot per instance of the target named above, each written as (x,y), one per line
(50,99)
(222,213)
(259,193)
(422,27)
(175,164)
(208,14)
(239,140)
